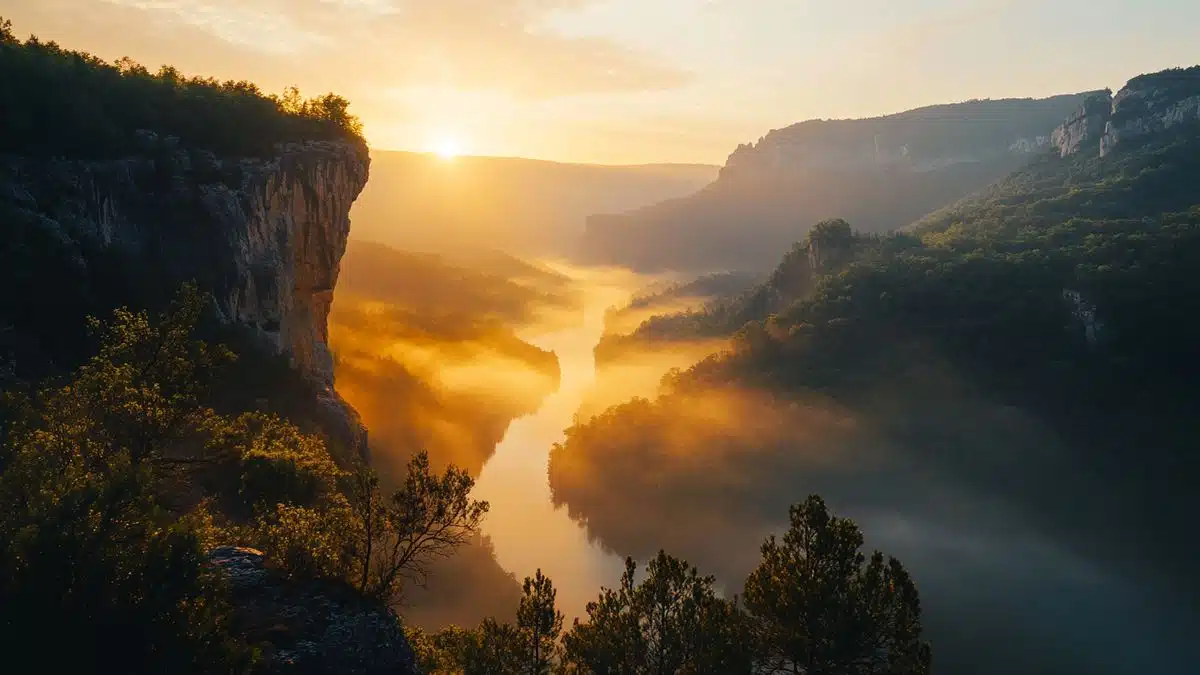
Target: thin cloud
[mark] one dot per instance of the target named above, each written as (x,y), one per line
(494,45)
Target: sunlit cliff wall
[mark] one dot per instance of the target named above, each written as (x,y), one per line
(1146,105)
(264,235)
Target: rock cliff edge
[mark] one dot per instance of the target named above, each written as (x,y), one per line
(264,235)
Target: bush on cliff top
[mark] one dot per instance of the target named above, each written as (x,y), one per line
(60,102)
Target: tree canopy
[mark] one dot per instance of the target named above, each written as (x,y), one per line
(60,102)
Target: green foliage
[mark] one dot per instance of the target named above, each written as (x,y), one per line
(819,607)
(309,542)
(429,517)
(539,624)
(673,622)
(113,482)
(982,283)
(133,401)
(493,648)
(814,605)
(277,463)
(87,545)
(62,102)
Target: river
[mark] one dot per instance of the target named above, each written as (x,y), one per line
(528,531)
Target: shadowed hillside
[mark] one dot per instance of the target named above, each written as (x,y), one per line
(1002,393)
(879,173)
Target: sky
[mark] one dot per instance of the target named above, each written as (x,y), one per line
(629,81)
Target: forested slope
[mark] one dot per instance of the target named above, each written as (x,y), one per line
(1011,376)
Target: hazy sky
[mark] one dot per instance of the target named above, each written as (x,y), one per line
(630,81)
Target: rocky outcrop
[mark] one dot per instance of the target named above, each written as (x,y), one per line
(1151,104)
(925,139)
(309,628)
(1086,125)
(1146,105)
(264,235)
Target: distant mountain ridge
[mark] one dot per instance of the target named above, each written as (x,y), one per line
(421,202)
(879,173)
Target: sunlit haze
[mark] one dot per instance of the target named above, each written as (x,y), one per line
(629,81)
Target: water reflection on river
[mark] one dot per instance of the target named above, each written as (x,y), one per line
(528,532)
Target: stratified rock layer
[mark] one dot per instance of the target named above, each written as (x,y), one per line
(264,235)
(1085,126)
(1146,105)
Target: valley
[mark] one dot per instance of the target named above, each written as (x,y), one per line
(895,394)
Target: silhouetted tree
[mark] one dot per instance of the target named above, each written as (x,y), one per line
(87,548)
(673,622)
(818,607)
(539,623)
(429,517)
(59,102)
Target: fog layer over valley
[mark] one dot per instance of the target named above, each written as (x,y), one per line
(424,202)
(901,395)
(961,389)
(999,395)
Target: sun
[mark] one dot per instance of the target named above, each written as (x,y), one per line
(448,147)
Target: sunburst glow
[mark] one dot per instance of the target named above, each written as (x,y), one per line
(448,147)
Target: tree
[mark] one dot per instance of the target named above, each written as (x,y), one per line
(496,649)
(428,518)
(539,623)
(819,608)
(493,648)
(673,622)
(87,548)
(274,462)
(309,542)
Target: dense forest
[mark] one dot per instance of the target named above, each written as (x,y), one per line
(59,102)
(1024,355)
(116,480)
(1002,395)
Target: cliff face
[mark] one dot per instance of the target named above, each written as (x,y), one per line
(265,236)
(879,174)
(1086,125)
(925,139)
(1146,105)
(1150,104)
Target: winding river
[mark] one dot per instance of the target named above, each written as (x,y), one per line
(528,531)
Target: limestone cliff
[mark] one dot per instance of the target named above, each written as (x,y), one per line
(264,235)
(1153,103)
(921,140)
(1147,104)
(1085,125)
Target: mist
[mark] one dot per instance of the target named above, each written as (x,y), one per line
(930,472)
(420,202)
